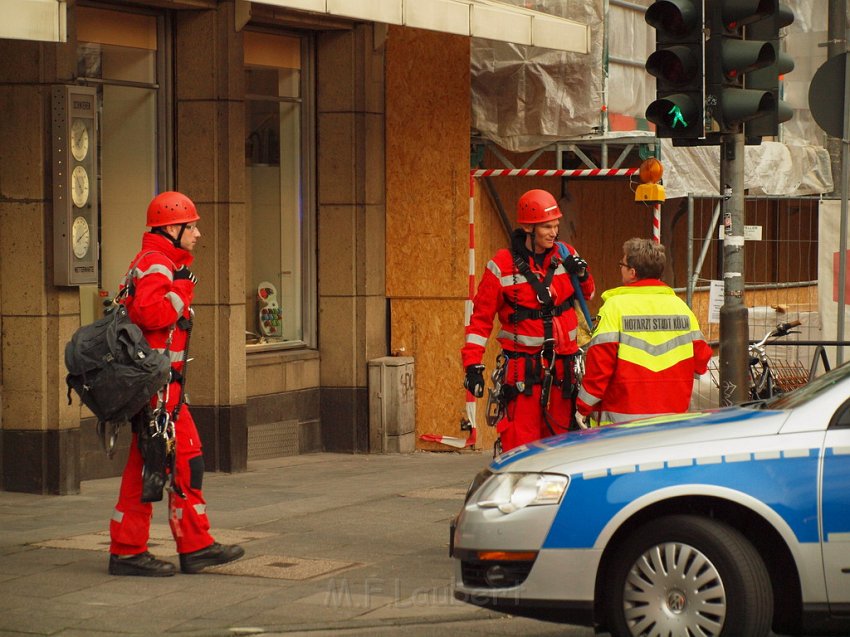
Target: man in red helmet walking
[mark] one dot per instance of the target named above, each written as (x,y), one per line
(530,288)
(160,289)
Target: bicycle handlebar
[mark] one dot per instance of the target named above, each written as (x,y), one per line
(782,329)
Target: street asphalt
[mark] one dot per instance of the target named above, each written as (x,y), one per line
(334,544)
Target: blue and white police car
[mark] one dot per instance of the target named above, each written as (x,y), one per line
(725,522)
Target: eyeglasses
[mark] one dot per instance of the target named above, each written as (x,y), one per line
(623,265)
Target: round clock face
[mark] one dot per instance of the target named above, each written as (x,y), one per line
(80,237)
(79,186)
(79,140)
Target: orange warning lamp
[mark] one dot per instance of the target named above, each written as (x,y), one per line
(650,173)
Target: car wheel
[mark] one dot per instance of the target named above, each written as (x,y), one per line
(688,575)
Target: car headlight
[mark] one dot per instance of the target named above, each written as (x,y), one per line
(476,483)
(511,492)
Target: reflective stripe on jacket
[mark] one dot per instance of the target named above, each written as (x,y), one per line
(645,350)
(158,301)
(502,287)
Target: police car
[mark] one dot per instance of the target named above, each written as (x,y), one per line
(725,522)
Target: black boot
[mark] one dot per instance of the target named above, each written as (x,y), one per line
(143,564)
(213,555)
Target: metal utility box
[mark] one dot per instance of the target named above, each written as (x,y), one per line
(392,405)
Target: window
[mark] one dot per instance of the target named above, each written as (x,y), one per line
(279,201)
(119,53)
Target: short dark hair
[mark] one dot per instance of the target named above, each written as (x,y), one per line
(647,257)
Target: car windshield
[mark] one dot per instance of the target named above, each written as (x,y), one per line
(807,392)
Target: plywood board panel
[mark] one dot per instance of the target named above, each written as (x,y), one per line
(427,137)
(431,330)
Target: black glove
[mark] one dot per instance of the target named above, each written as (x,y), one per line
(574,264)
(474,381)
(184,273)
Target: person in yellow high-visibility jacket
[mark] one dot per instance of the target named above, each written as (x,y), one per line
(646,347)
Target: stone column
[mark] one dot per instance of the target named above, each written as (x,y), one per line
(351,228)
(210,168)
(40,435)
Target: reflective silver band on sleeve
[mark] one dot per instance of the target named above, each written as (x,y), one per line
(176,302)
(155,268)
(476,339)
(117,516)
(586,397)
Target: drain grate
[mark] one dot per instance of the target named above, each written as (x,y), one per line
(283,567)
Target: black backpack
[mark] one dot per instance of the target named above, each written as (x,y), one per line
(112,367)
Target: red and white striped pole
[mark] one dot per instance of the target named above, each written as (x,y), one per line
(471,291)
(535,172)
(656,223)
(470,399)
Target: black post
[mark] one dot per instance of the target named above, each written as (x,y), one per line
(734,328)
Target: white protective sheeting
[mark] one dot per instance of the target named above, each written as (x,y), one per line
(805,41)
(525,97)
(769,169)
(630,42)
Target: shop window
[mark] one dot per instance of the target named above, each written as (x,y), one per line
(119,53)
(278,261)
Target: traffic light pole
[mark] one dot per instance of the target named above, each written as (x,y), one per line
(734,329)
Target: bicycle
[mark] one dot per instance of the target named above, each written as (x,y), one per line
(768,377)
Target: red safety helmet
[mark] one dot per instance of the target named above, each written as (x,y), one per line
(171,208)
(537,206)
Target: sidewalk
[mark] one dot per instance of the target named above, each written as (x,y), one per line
(342,544)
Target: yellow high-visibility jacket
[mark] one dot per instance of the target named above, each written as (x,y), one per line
(643,355)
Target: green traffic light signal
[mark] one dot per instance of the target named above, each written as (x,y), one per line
(675,115)
(677,65)
(678,118)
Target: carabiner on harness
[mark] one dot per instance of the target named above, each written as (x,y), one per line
(107,432)
(496,403)
(547,365)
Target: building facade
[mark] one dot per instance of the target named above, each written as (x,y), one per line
(294,134)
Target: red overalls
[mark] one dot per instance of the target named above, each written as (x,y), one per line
(156,305)
(502,289)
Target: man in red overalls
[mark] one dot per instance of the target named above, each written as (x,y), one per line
(530,288)
(160,295)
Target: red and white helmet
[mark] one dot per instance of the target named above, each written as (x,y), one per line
(171,208)
(537,206)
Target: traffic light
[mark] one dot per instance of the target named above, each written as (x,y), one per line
(677,64)
(768,78)
(738,70)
